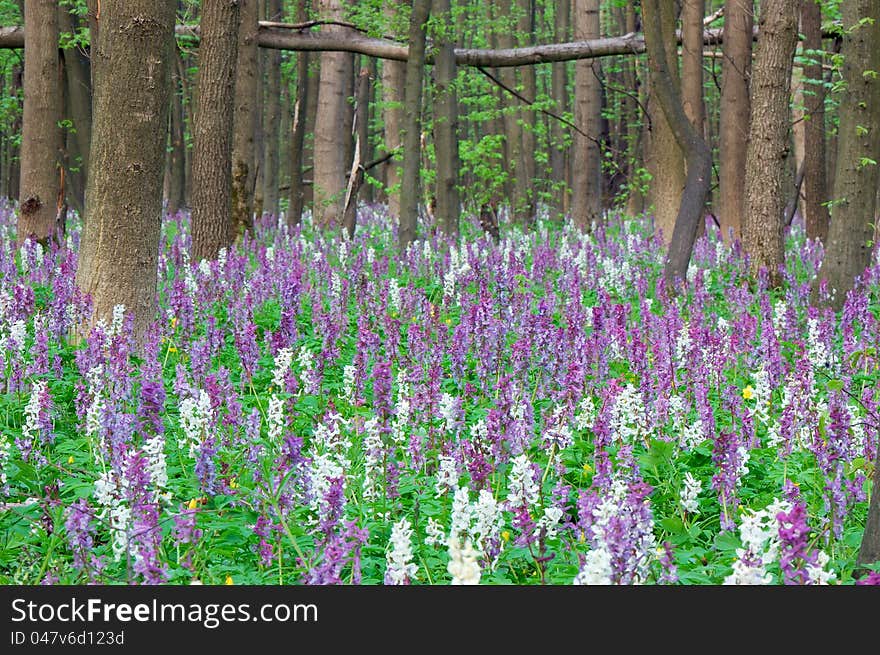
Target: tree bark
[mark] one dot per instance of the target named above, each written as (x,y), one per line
(177,157)
(735,109)
(212,130)
(663,152)
(854,198)
(446,124)
(393,82)
(587,161)
(40,135)
(362,131)
(78,109)
(412,100)
(131,62)
(527,76)
(244,119)
(272,108)
(692,14)
(298,129)
(768,147)
(559,85)
(816,215)
(699,157)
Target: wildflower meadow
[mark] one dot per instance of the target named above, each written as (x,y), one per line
(533,410)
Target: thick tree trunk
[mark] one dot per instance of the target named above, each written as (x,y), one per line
(446,124)
(854,198)
(412,100)
(212,130)
(815,184)
(40,134)
(699,157)
(692,14)
(244,119)
(330,137)
(734,116)
(131,62)
(664,156)
(762,229)
(587,161)
(272,109)
(558,132)
(296,201)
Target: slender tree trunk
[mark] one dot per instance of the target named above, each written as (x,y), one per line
(362,131)
(40,134)
(665,159)
(14,151)
(330,134)
(446,123)
(410,182)
(272,136)
(393,81)
(298,128)
(212,130)
(177,156)
(699,157)
(131,63)
(587,162)
(78,95)
(769,137)
(637,125)
(734,119)
(311,119)
(854,199)
(244,119)
(815,184)
(558,132)
(526,166)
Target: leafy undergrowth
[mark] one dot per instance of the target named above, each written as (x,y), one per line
(533,411)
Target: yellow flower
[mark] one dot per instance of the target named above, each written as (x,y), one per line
(233,484)
(505,535)
(748,392)
(172,349)
(448,321)
(173,322)
(70,460)
(193,503)
(587,468)
(229,579)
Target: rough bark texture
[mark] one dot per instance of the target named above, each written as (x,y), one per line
(212,131)
(448,208)
(663,155)
(330,138)
(586,205)
(734,116)
(768,147)
(176,194)
(40,134)
(244,119)
(854,209)
(692,13)
(272,109)
(412,100)
(119,249)
(296,200)
(699,157)
(815,184)
(559,86)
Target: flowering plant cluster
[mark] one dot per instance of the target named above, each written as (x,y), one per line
(539,409)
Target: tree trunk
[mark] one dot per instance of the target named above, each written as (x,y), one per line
(131,63)
(699,157)
(272,108)
(558,132)
(212,130)
(393,81)
(298,128)
(526,165)
(330,136)
(768,146)
(692,14)
(412,100)
(587,181)
(244,119)
(78,96)
(664,157)
(177,157)
(853,210)
(735,109)
(40,134)
(815,185)
(362,131)
(446,124)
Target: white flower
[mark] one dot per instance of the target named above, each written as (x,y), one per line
(195,416)
(435,534)
(461,512)
(550,521)
(399,567)
(817,573)
(689,493)
(447,475)
(463,566)
(154,449)
(283,360)
(596,569)
(275,418)
(522,488)
(349,374)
